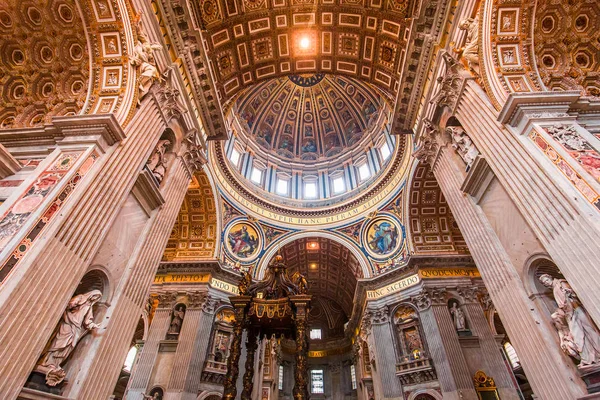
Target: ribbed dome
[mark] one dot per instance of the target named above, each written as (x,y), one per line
(308,118)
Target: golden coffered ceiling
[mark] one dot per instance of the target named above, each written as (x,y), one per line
(567,45)
(194,234)
(433,227)
(251,40)
(330,268)
(45,62)
(309,118)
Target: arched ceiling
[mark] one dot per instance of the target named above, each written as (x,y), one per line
(250,40)
(194,235)
(567,45)
(45,61)
(433,227)
(311,117)
(330,268)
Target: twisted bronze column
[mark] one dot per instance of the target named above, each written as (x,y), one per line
(251,345)
(230,391)
(300,391)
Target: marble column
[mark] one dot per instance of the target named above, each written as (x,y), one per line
(385,354)
(491,350)
(563,220)
(139,380)
(49,273)
(101,376)
(192,346)
(550,372)
(448,359)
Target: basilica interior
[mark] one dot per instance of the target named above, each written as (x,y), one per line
(299,199)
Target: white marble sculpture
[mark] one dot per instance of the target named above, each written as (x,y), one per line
(579,336)
(463,145)
(143,59)
(157,163)
(77,320)
(459,318)
(470,51)
(177,320)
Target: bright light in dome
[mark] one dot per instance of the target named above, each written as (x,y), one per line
(305,42)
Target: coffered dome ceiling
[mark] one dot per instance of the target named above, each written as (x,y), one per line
(308,118)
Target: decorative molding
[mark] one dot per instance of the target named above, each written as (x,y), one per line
(8,164)
(147,192)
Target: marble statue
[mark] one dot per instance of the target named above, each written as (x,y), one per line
(470,51)
(143,59)
(157,164)
(459,318)
(463,145)
(177,320)
(77,320)
(579,336)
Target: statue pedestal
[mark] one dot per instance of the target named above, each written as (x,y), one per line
(37,382)
(591,377)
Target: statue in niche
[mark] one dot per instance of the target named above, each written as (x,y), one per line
(459,317)
(176,321)
(579,336)
(143,59)
(463,145)
(77,320)
(157,164)
(470,51)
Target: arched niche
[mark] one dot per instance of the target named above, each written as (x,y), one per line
(210,396)
(410,338)
(157,393)
(425,394)
(538,265)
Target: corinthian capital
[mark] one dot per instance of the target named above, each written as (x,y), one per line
(470,294)
(427,144)
(167,299)
(429,297)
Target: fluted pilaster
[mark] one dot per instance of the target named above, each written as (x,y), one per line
(385,354)
(547,369)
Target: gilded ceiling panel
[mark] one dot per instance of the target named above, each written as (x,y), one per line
(433,227)
(251,40)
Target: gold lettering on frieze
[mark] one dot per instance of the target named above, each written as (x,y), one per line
(395,287)
(197,278)
(233,194)
(437,273)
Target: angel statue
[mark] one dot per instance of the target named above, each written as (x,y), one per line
(301,282)
(470,51)
(579,336)
(77,320)
(143,59)
(245,283)
(157,164)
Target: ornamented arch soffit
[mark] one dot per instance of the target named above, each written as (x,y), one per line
(330,268)
(433,227)
(250,40)
(45,61)
(567,45)
(309,118)
(194,234)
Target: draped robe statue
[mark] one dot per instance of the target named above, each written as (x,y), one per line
(470,51)
(459,318)
(157,164)
(579,336)
(77,320)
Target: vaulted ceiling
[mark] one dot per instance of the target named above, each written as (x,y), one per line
(433,227)
(44,68)
(194,235)
(251,40)
(567,45)
(330,268)
(307,118)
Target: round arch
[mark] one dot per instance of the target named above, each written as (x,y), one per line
(209,396)
(270,253)
(428,392)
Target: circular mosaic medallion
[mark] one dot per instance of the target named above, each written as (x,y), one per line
(242,241)
(382,237)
